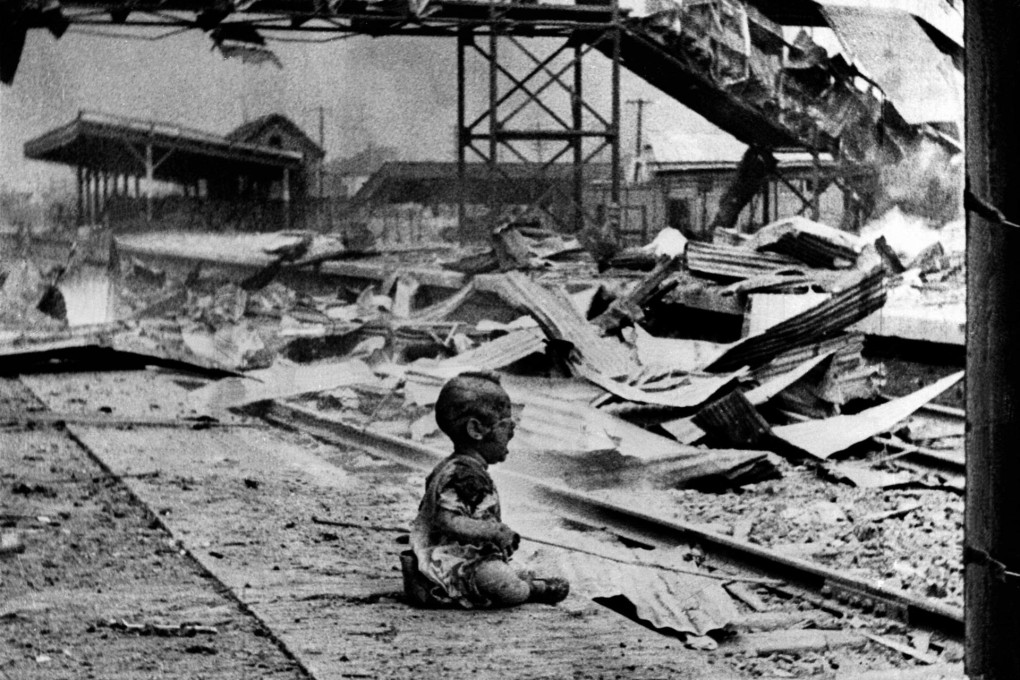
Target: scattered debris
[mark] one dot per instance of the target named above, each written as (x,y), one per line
(279,381)
(912,652)
(823,438)
(157,629)
(11,543)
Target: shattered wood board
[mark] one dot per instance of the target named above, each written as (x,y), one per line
(278,382)
(822,438)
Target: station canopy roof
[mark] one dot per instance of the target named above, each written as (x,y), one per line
(117,145)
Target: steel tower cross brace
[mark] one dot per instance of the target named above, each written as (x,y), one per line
(536,129)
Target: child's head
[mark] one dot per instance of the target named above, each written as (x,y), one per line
(474,410)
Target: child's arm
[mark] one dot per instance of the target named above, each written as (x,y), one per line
(475,530)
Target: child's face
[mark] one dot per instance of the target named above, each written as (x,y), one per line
(497,434)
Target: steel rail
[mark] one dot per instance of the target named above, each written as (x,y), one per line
(631,523)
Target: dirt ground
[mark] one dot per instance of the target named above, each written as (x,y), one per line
(95,558)
(232,544)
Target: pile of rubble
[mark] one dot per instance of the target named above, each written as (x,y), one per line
(615,384)
(608,367)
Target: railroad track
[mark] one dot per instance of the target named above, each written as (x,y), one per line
(802,581)
(805,617)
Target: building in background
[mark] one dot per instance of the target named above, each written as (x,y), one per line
(277,131)
(680,178)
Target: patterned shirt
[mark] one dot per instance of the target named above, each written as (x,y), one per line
(461,485)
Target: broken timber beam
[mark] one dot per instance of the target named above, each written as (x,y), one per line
(629,307)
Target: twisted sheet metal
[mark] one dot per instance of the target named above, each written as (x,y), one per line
(821,321)
(666,600)
(560,320)
(737,262)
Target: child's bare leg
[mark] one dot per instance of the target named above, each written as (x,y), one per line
(506,586)
(500,583)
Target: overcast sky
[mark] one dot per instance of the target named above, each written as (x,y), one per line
(391,90)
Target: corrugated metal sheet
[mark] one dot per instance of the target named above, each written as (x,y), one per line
(774,386)
(18,341)
(920,80)
(683,430)
(280,381)
(695,390)
(842,309)
(423,379)
(471,304)
(847,377)
(669,601)
(563,389)
(577,431)
(733,420)
(549,424)
(501,352)
(765,310)
(556,314)
(814,244)
(846,348)
(822,438)
(678,354)
(738,262)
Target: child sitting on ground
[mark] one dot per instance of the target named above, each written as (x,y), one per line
(461,548)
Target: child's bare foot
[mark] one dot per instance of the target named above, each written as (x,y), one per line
(549,590)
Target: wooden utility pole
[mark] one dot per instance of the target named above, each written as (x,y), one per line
(992,522)
(322,145)
(640,104)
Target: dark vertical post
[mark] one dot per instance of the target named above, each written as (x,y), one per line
(494,127)
(640,103)
(104,195)
(615,94)
(816,179)
(578,141)
(991,537)
(93,196)
(322,145)
(81,197)
(463,139)
(149,179)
